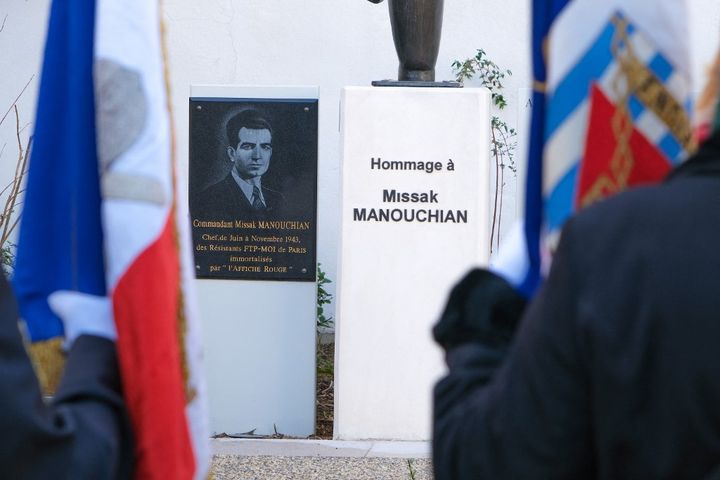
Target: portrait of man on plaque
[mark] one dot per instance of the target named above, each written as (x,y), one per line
(256,171)
(249,152)
(253,187)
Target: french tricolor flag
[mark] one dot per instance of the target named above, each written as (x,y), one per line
(102,221)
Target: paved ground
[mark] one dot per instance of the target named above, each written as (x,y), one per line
(245,459)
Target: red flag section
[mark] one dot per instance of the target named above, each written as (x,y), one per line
(607,166)
(146,314)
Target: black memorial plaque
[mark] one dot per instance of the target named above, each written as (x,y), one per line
(253,188)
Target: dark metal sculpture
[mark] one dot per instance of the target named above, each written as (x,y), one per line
(416,27)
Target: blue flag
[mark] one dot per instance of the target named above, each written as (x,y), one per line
(611,109)
(60,240)
(543,14)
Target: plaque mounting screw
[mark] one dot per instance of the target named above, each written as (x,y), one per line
(199,107)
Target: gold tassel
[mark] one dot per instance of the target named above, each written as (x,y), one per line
(48,360)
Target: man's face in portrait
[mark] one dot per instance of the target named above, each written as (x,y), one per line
(251,158)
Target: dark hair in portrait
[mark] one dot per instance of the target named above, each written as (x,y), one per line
(249,118)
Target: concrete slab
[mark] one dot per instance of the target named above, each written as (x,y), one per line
(319,448)
(289,448)
(399,449)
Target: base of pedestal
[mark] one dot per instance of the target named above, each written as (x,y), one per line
(416,83)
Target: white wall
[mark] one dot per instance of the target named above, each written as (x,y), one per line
(704,35)
(330,44)
(22,39)
(315,42)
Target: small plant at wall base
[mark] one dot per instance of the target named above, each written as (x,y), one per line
(325,364)
(503,139)
(323,298)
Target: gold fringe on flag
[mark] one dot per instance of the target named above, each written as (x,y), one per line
(190,391)
(48,360)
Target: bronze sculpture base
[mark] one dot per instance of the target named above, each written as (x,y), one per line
(415,83)
(416,75)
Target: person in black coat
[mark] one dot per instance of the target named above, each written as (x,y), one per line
(614,371)
(83,432)
(241,195)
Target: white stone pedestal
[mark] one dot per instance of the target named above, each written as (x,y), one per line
(415,190)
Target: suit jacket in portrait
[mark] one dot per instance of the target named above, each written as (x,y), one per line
(226,201)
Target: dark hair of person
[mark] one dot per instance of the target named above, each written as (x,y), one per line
(250,119)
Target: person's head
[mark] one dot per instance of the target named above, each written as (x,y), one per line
(249,143)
